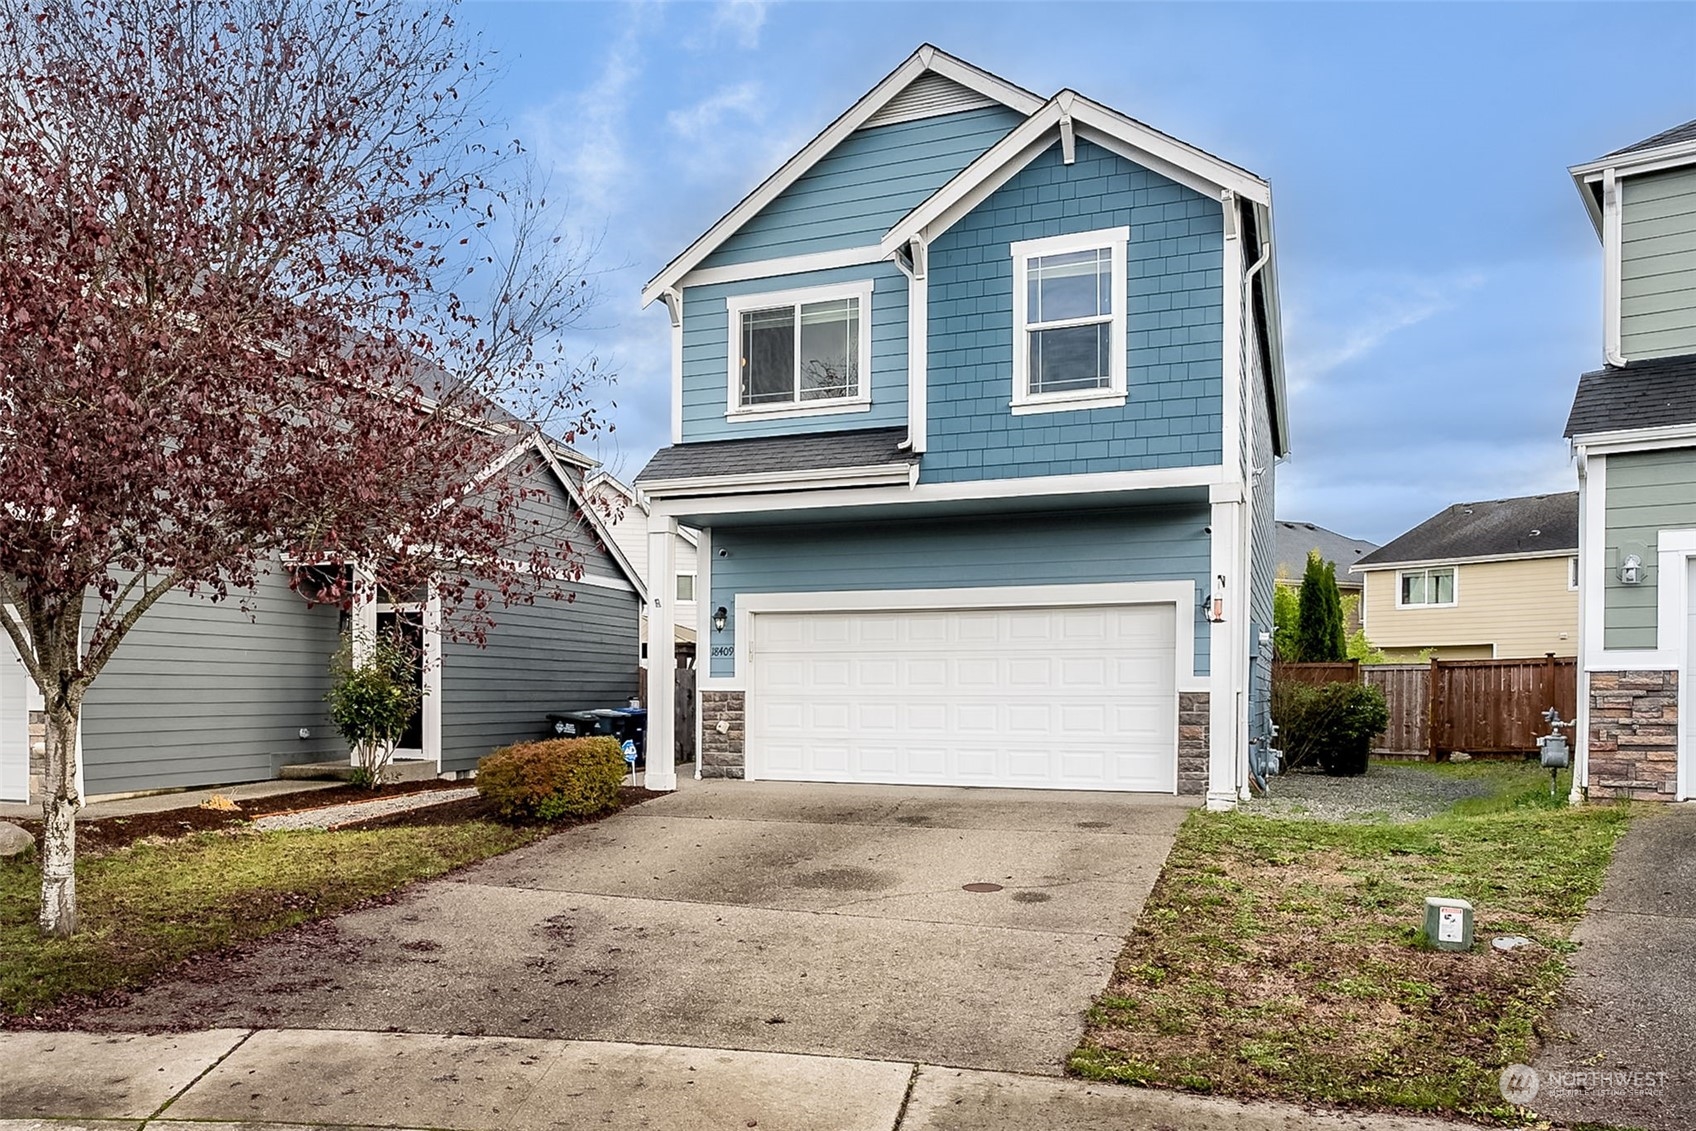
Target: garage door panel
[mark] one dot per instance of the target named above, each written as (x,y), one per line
(1079,698)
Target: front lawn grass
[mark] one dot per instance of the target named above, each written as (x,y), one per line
(1284,957)
(149,905)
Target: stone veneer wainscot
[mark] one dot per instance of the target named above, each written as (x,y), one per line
(1193,716)
(723,752)
(1634,734)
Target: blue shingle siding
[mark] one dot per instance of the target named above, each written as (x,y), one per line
(863,186)
(1172,416)
(1148,544)
(706,346)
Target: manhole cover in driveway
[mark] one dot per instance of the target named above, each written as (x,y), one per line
(983,887)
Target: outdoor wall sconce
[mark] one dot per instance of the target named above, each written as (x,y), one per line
(1631,570)
(721,617)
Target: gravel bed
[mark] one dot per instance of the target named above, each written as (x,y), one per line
(1384,792)
(332,816)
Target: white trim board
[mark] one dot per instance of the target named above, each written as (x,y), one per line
(801,498)
(927,59)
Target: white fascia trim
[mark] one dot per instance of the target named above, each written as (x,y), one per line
(1642,161)
(926,58)
(1181,594)
(1045,486)
(1129,138)
(1272,311)
(859,290)
(700,485)
(1116,240)
(599,582)
(594,519)
(1637,439)
(1429,563)
(787,265)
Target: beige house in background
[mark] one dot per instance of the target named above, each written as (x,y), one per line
(1495,579)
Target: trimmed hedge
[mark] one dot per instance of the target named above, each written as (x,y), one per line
(1333,725)
(553,778)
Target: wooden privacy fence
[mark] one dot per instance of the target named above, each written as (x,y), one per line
(1475,706)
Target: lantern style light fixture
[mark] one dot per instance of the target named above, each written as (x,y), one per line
(721,617)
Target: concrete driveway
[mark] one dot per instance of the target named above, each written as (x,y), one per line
(759,916)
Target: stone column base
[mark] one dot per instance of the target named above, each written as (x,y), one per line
(1193,725)
(723,734)
(1633,740)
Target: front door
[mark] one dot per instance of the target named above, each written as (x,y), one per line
(403,625)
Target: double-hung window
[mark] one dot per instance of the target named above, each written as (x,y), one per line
(1069,321)
(1425,588)
(803,351)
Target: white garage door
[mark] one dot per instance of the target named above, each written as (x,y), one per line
(1046,698)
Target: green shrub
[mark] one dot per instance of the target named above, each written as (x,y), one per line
(372,702)
(553,778)
(1332,725)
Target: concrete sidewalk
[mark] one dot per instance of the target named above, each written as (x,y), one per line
(1619,1050)
(282,1078)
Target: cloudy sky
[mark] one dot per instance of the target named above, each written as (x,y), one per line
(1441,283)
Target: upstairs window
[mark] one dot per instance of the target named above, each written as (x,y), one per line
(800,351)
(685,587)
(1069,321)
(1425,588)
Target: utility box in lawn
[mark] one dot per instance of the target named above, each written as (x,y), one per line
(1448,923)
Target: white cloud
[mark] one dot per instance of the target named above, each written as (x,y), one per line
(740,20)
(1318,344)
(701,122)
(583,134)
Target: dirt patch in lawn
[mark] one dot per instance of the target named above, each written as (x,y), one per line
(103,834)
(1284,958)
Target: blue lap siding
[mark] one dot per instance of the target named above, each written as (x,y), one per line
(1147,544)
(1172,416)
(862,187)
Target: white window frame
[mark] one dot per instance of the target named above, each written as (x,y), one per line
(1572,574)
(678,590)
(1454,589)
(1116,240)
(737,305)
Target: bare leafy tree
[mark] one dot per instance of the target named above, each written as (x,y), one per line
(266,293)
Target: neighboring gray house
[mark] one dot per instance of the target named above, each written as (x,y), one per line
(977,404)
(210,694)
(1633,434)
(1295,539)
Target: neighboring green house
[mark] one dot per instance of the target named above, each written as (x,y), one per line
(977,403)
(1633,433)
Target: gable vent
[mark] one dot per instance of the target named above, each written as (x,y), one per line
(928,96)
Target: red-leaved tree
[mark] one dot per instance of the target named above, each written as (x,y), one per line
(265,294)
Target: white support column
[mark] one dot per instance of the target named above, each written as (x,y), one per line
(662,652)
(1226,693)
(918,345)
(432,705)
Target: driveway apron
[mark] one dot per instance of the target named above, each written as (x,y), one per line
(767,916)
(1622,1043)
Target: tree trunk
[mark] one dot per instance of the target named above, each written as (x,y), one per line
(59,815)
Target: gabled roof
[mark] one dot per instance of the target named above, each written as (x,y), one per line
(552,451)
(1685,132)
(1668,149)
(1293,540)
(926,60)
(1528,526)
(1657,393)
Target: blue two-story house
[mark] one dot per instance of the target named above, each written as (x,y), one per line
(976,405)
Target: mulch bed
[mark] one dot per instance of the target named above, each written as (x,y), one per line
(104,834)
(478,809)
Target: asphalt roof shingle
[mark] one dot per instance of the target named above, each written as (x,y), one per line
(1642,394)
(1294,539)
(1492,528)
(1685,132)
(820,451)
